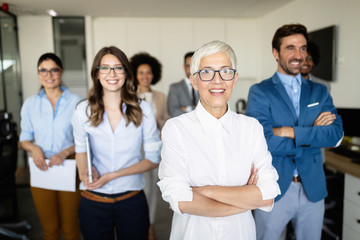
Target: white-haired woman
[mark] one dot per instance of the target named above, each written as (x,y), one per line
(215,164)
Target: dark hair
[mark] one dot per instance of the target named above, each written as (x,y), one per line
(53,57)
(50,56)
(287,30)
(145,58)
(189,54)
(133,112)
(313,51)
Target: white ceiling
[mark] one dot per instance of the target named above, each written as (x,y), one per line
(147,8)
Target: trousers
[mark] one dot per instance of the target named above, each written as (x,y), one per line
(58,213)
(128,219)
(306,217)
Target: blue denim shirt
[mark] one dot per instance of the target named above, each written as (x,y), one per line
(50,130)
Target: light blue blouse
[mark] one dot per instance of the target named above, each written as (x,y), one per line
(122,148)
(50,130)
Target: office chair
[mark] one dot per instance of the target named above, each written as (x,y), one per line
(8,165)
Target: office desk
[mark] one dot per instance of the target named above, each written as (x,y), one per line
(342,164)
(351,222)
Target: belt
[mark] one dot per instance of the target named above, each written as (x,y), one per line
(296,179)
(97,198)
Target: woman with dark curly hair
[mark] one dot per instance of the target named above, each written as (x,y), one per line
(117,125)
(147,71)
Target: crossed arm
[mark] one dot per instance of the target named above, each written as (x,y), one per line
(220,201)
(324,119)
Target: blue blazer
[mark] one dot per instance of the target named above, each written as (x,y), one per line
(269,102)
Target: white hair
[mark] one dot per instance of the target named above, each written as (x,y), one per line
(211,48)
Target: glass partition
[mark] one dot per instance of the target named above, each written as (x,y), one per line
(10,80)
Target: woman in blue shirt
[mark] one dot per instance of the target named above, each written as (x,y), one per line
(46,132)
(117,125)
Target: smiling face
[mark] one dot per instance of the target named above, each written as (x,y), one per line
(307,66)
(214,94)
(292,54)
(144,75)
(52,79)
(111,82)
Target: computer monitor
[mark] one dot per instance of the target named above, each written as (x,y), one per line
(325,39)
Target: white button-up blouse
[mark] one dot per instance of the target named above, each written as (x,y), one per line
(200,150)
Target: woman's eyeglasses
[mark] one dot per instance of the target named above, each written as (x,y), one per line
(104,69)
(226,74)
(54,71)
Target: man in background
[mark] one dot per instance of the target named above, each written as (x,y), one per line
(182,97)
(312,59)
(299,118)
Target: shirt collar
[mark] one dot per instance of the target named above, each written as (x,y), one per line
(310,77)
(187,80)
(287,80)
(65,93)
(208,121)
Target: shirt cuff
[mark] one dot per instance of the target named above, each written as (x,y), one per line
(152,151)
(269,190)
(174,199)
(267,208)
(26,136)
(80,147)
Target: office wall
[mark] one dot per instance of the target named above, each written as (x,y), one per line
(169,38)
(316,15)
(35,38)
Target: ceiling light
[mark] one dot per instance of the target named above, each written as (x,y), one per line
(52,12)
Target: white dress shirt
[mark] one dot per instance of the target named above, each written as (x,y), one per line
(200,150)
(121,148)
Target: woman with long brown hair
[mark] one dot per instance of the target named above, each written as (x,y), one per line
(117,124)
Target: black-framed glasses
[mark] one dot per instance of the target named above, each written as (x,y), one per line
(54,71)
(226,74)
(104,69)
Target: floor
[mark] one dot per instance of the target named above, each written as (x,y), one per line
(27,211)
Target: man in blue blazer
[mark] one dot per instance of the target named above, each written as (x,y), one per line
(299,118)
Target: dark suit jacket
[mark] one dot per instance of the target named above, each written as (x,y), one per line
(179,96)
(269,102)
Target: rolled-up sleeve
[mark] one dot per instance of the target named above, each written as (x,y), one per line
(27,131)
(268,176)
(79,129)
(173,174)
